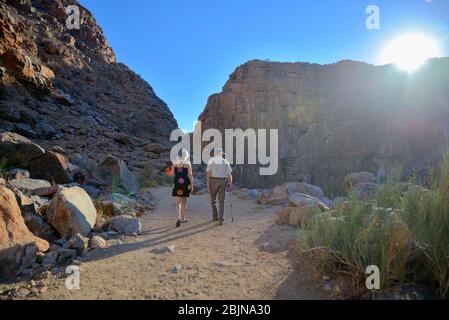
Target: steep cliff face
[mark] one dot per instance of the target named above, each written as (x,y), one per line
(335,119)
(63,87)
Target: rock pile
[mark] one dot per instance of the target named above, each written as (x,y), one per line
(44,224)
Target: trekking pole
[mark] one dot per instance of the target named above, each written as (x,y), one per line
(230,205)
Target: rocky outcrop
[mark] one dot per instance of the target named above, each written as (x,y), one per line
(64,87)
(336,119)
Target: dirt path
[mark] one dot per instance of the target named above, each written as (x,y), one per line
(244,259)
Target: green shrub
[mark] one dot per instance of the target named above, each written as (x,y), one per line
(350,241)
(405,234)
(427,216)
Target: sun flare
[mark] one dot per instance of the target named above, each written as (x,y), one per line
(410,51)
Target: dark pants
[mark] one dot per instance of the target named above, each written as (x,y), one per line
(218,190)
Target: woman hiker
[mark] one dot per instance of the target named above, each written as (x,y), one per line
(183,185)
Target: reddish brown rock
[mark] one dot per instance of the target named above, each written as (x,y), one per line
(295,216)
(52,166)
(18,246)
(18,64)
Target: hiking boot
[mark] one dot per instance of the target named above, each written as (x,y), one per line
(221,223)
(178,223)
(215,219)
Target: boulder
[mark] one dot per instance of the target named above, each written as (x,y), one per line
(78,242)
(125,225)
(39,226)
(253,194)
(46,191)
(31,204)
(65,253)
(280,194)
(28,186)
(18,150)
(283,215)
(118,204)
(93,191)
(97,242)
(50,259)
(18,246)
(294,216)
(303,200)
(52,166)
(146,198)
(353,179)
(17,174)
(365,191)
(71,211)
(114,172)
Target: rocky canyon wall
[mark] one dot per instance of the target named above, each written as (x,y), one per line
(338,118)
(64,87)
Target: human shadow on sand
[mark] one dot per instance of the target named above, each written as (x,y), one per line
(166,235)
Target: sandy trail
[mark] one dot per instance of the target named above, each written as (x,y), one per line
(244,259)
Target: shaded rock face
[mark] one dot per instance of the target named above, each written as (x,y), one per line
(64,87)
(336,119)
(114,171)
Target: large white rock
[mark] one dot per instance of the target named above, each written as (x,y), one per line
(71,211)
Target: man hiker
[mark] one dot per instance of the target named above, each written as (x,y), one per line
(219,178)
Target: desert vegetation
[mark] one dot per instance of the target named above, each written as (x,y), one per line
(403,229)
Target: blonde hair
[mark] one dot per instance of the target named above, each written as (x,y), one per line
(184,158)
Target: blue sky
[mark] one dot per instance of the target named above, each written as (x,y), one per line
(186,50)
